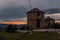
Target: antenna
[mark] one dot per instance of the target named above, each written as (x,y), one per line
(30,4)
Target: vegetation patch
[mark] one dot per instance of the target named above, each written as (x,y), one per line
(34,36)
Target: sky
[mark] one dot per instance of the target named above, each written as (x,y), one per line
(15,10)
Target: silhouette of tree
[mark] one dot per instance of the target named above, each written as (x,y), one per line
(15,27)
(57,26)
(11,28)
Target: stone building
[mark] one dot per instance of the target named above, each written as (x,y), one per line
(49,22)
(36,19)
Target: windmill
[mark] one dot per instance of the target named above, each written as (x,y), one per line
(30,6)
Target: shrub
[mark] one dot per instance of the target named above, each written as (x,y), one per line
(11,28)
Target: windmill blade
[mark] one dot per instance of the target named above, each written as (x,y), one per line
(24,8)
(38,4)
(30,4)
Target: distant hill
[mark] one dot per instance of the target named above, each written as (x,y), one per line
(6,25)
(53,10)
(3,25)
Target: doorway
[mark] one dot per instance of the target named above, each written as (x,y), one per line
(38,23)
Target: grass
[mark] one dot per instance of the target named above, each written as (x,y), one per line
(34,36)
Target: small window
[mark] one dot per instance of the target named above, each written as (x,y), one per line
(38,14)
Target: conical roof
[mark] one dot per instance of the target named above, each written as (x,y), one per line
(35,10)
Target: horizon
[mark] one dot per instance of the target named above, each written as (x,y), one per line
(17,23)
(22,23)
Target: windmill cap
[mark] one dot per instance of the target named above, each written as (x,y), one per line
(36,10)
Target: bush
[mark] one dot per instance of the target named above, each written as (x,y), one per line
(11,28)
(57,26)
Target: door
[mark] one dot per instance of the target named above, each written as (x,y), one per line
(38,23)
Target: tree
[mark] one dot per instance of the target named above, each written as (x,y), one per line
(57,26)
(11,28)
(15,28)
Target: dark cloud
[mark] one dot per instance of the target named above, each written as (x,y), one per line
(16,9)
(42,4)
(13,13)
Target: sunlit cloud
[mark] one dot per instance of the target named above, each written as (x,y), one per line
(55,15)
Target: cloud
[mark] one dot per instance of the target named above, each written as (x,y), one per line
(56,16)
(13,14)
(13,20)
(15,10)
(42,4)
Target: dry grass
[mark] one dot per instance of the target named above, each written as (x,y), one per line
(34,36)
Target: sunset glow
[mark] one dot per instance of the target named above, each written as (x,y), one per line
(22,22)
(13,23)
(57,21)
